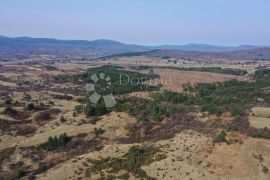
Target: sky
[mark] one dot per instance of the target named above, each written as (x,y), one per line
(146,22)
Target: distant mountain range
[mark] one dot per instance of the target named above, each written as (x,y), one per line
(262,54)
(26,46)
(206,47)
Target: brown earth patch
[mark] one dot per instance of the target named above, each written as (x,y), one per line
(173,80)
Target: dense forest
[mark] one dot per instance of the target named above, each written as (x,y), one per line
(120,81)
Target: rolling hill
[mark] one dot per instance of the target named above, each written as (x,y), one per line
(262,54)
(26,46)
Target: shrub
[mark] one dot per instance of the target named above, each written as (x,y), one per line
(8,101)
(221,137)
(211,109)
(55,142)
(17,173)
(10,111)
(131,162)
(240,124)
(78,109)
(188,87)
(98,131)
(51,68)
(62,97)
(31,107)
(236,111)
(265,169)
(267,99)
(25,129)
(43,116)
(62,119)
(130,81)
(156,96)
(97,110)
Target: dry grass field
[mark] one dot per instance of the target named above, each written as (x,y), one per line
(260,117)
(261,112)
(239,161)
(190,154)
(173,80)
(259,122)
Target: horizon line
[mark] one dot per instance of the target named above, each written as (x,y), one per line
(138,44)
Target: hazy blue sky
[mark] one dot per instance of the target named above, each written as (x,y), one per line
(224,22)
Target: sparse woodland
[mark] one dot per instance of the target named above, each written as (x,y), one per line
(161,116)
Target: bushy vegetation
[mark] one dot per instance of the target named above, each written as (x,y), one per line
(23,130)
(55,142)
(236,111)
(175,98)
(221,137)
(170,118)
(95,110)
(8,101)
(10,111)
(233,96)
(62,97)
(31,107)
(230,96)
(147,111)
(43,116)
(98,131)
(91,110)
(62,119)
(122,81)
(78,109)
(51,68)
(131,162)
